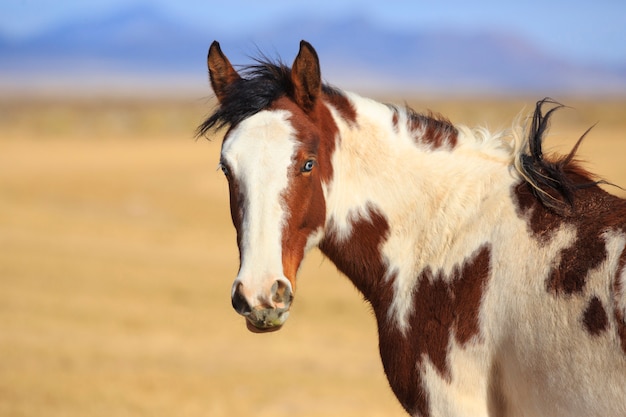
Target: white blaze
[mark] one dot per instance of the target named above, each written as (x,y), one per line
(259,152)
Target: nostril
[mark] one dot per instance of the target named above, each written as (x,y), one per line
(281,294)
(240,304)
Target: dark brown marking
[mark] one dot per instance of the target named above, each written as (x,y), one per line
(586,253)
(341,103)
(432,129)
(594,318)
(468,285)
(592,213)
(445,307)
(328,132)
(304,198)
(542,223)
(558,191)
(359,256)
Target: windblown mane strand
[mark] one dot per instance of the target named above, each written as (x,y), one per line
(553,182)
(259,86)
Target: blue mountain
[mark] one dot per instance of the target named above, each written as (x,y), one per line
(143,41)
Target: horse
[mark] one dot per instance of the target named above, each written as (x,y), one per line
(496,275)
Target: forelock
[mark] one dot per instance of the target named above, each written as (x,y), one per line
(259,86)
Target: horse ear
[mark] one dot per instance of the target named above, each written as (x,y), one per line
(306,76)
(221,72)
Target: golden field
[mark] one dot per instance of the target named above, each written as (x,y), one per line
(117,256)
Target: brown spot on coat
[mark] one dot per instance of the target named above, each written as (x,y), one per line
(592,213)
(341,103)
(432,129)
(444,307)
(585,254)
(594,318)
(359,256)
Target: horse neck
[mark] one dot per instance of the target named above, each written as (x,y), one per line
(394,197)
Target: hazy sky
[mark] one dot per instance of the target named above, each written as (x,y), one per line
(575,28)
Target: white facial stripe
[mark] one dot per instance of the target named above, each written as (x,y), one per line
(259,152)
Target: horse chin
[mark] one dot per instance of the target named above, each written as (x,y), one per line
(254,329)
(266,320)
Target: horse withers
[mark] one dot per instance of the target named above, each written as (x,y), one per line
(497,276)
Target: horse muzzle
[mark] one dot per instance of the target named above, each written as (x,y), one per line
(266,320)
(265,311)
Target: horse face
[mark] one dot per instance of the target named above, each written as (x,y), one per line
(271,157)
(277,208)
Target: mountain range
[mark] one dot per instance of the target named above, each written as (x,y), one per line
(143,47)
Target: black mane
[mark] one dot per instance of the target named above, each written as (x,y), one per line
(259,86)
(553,182)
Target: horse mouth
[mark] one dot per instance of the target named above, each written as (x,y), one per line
(254,328)
(266,320)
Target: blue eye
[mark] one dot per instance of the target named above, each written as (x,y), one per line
(225,169)
(308,166)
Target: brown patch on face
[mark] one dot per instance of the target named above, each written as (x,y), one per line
(593,212)
(595,319)
(303,199)
(432,129)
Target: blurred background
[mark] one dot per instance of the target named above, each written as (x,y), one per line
(453,47)
(116,248)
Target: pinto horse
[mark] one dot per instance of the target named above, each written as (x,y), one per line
(497,276)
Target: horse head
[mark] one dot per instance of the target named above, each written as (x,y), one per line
(276,156)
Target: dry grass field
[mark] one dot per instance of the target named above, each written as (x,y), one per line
(117,256)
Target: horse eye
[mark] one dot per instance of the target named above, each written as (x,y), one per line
(225,170)
(308,166)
